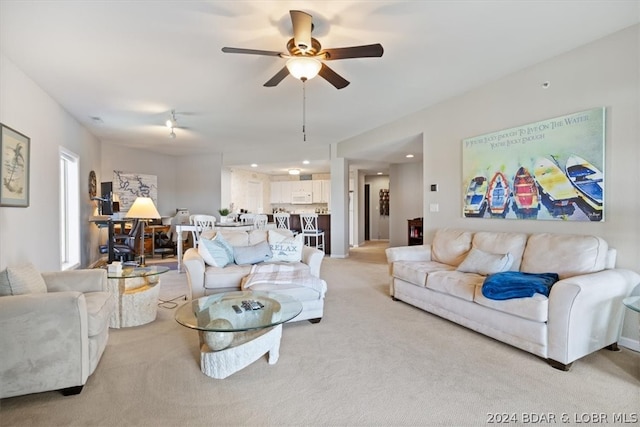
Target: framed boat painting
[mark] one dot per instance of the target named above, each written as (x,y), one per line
(14,167)
(548,170)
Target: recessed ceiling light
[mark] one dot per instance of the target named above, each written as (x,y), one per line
(409,156)
(379,173)
(254,165)
(305,162)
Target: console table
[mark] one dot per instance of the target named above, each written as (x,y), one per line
(136,292)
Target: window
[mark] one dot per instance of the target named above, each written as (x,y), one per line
(69,210)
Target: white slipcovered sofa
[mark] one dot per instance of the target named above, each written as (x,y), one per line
(304,284)
(54,328)
(582,314)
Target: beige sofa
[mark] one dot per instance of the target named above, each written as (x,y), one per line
(582,314)
(54,328)
(204,278)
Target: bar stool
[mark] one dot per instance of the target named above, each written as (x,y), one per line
(282,220)
(309,224)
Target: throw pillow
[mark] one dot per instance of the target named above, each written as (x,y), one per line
(252,254)
(216,252)
(485,263)
(286,247)
(21,281)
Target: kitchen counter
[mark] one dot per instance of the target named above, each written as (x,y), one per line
(324,223)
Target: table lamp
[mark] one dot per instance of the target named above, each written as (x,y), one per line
(143,209)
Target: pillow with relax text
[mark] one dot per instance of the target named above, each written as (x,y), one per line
(216,252)
(485,263)
(286,248)
(252,254)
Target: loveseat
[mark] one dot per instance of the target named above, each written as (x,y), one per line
(582,313)
(256,255)
(54,328)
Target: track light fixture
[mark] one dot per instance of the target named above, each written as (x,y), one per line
(172,123)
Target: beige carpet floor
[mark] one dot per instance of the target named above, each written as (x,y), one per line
(371,361)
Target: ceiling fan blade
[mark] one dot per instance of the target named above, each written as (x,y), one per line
(302,25)
(250,51)
(280,75)
(332,77)
(367,51)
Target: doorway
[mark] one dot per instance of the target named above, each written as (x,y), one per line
(367,232)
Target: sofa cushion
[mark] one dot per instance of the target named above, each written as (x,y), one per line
(257,236)
(252,254)
(565,254)
(227,277)
(481,262)
(416,272)
(235,237)
(285,247)
(216,252)
(450,246)
(534,308)
(21,280)
(502,243)
(455,283)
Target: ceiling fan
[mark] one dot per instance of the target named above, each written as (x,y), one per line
(305,54)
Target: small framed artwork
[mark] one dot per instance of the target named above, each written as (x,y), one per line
(15,153)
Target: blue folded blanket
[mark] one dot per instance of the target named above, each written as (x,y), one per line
(514,284)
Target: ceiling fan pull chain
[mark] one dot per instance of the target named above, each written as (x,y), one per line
(304,111)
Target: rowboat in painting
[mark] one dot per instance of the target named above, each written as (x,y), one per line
(558,193)
(498,195)
(589,181)
(475,202)
(526,200)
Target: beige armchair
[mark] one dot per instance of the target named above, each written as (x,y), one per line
(53,329)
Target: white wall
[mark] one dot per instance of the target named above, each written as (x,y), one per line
(406,200)
(128,160)
(32,234)
(199,183)
(602,73)
(378,224)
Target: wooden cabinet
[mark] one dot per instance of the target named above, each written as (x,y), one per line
(321,190)
(415,231)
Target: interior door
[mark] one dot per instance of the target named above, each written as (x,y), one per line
(254,197)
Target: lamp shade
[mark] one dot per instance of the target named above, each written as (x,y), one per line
(303,67)
(143,208)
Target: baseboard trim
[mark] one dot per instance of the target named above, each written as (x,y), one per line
(629,343)
(338,256)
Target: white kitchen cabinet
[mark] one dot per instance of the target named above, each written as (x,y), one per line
(301,186)
(317,190)
(281,191)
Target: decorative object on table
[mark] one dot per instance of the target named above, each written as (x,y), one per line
(223,214)
(15,153)
(143,209)
(547,170)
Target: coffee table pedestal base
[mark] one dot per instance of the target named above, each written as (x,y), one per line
(246,348)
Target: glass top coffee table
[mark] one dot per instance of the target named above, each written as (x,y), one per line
(237,328)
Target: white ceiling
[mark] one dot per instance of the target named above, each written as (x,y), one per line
(130,63)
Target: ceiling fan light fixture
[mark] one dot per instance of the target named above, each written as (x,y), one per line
(303,67)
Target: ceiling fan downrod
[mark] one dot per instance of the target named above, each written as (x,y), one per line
(304,110)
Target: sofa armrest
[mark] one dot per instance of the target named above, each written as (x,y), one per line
(586,312)
(44,343)
(194,266)
(313,258)
(409,253)
(85,280)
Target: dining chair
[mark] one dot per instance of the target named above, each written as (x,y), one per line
(309,225)
(247,217)
(260,222)
(202,223)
